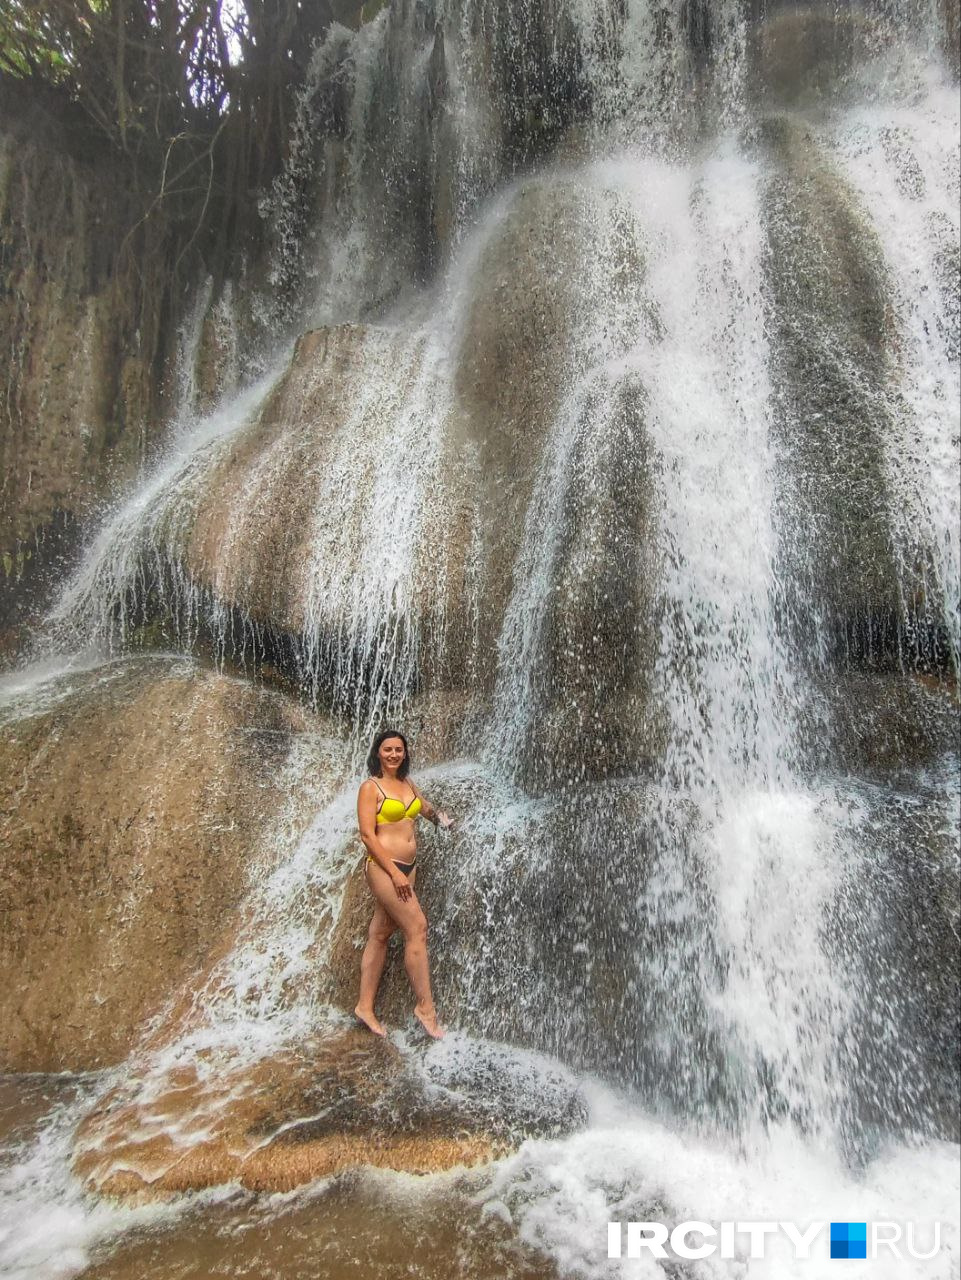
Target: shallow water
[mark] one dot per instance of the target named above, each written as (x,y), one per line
(359,1226)
(25,1100)
(540,1214)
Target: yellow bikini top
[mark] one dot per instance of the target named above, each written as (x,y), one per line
(391,810)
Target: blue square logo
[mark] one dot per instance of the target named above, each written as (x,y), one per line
(849,1239)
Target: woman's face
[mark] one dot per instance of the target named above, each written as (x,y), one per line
(391,754)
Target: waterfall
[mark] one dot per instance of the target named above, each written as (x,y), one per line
(108,595)
(687,354)
(902,160)
(615,450)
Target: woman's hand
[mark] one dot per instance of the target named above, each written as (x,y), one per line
(403,886)
(444,821)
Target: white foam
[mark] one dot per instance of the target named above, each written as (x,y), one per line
(560,1196)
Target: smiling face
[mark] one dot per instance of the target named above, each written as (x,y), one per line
(391,754)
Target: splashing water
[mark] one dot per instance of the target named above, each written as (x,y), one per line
(903,161)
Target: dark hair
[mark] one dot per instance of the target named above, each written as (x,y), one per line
(373,760)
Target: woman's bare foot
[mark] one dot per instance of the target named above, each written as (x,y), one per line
(428,1020)
(370,1021)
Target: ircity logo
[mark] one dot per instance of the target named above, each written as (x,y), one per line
(849,1239)
(701,1239)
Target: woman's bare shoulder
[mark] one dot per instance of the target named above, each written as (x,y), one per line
(366,787)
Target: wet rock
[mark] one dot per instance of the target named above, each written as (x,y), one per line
(305,493)
(898,924)
(950,11)
(337,1102)
(890,741)
(134,803)
(268,531)
(596,715)
(351,1225)
(534,55)
(252,533)
(31,573)
(216,361)
(509,378)
(831,334)
(802,54)
(885,726)
(512,375)
(424,168)
(83,337)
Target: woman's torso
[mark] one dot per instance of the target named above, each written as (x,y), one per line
(398,837)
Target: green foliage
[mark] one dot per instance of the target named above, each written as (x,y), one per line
(196,94)
(132,64)
(32,43)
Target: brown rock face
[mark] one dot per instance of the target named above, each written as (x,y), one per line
(833,354)
(804,53)
(336,1103)
(294,498)
(513,368)
(132,811)
(951,24)
(269,504)
(83,341)
(253,533)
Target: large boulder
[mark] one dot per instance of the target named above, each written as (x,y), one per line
(337,1101)
(379,491)
(135,805)
(297,1116)
(252,535)
(514,371)
(301,479)
(832,344)
(803,54)
(884,727)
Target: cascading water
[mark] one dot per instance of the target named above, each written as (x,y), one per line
(903,163)
(633,405)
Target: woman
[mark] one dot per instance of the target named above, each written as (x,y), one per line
(388,805)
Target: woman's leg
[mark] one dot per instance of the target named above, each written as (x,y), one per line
(410,918)
(372,967)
